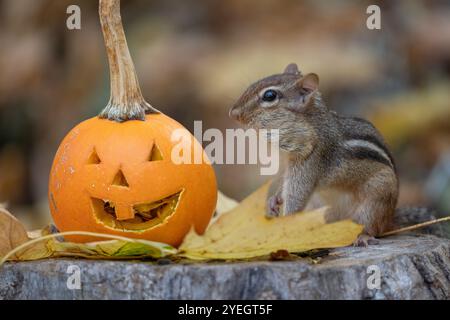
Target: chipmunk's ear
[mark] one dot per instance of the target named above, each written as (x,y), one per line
(306,86)
(292,69)
(310,82)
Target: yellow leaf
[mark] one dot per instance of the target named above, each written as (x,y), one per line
(244,232)
(224,204)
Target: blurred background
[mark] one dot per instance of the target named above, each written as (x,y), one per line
(194,58)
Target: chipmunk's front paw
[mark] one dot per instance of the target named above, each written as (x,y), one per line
(364,240)
(274,206)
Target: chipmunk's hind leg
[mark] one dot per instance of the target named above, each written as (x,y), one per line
(341,204)
(364,240)
(378,198)
(315,202)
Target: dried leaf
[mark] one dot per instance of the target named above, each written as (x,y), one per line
(224,204)
(49,229)
(12,232)
(17,244)
(281,255)
(244,232)
(48,245)
(113,249)
(13,236)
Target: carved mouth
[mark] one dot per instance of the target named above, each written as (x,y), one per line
(146,215)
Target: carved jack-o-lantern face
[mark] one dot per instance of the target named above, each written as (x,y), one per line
(114,173)
(119,178)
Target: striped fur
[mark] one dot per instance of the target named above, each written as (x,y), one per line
(335,157)
(365,149)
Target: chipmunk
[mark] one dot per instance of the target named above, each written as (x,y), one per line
(342,162)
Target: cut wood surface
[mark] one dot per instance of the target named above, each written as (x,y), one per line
(413,266)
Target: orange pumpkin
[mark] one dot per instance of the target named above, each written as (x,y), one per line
(114,173)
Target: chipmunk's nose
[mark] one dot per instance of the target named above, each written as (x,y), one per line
(235,113)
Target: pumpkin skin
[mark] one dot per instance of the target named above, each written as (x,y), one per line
(77,181)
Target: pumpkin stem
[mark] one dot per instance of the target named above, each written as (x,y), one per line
(126,101)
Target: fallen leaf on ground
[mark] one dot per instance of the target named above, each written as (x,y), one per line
(112,249)
(224,204)
(17,245)
(245,232)
(12,232)
(240,232)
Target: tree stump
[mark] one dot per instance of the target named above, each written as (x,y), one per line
(412,266)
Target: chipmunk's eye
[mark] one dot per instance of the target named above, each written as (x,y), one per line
(269,95)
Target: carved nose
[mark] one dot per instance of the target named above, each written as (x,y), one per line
(235,113)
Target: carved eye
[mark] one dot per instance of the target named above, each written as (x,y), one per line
(269,95)
(94,158)
(155,154)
